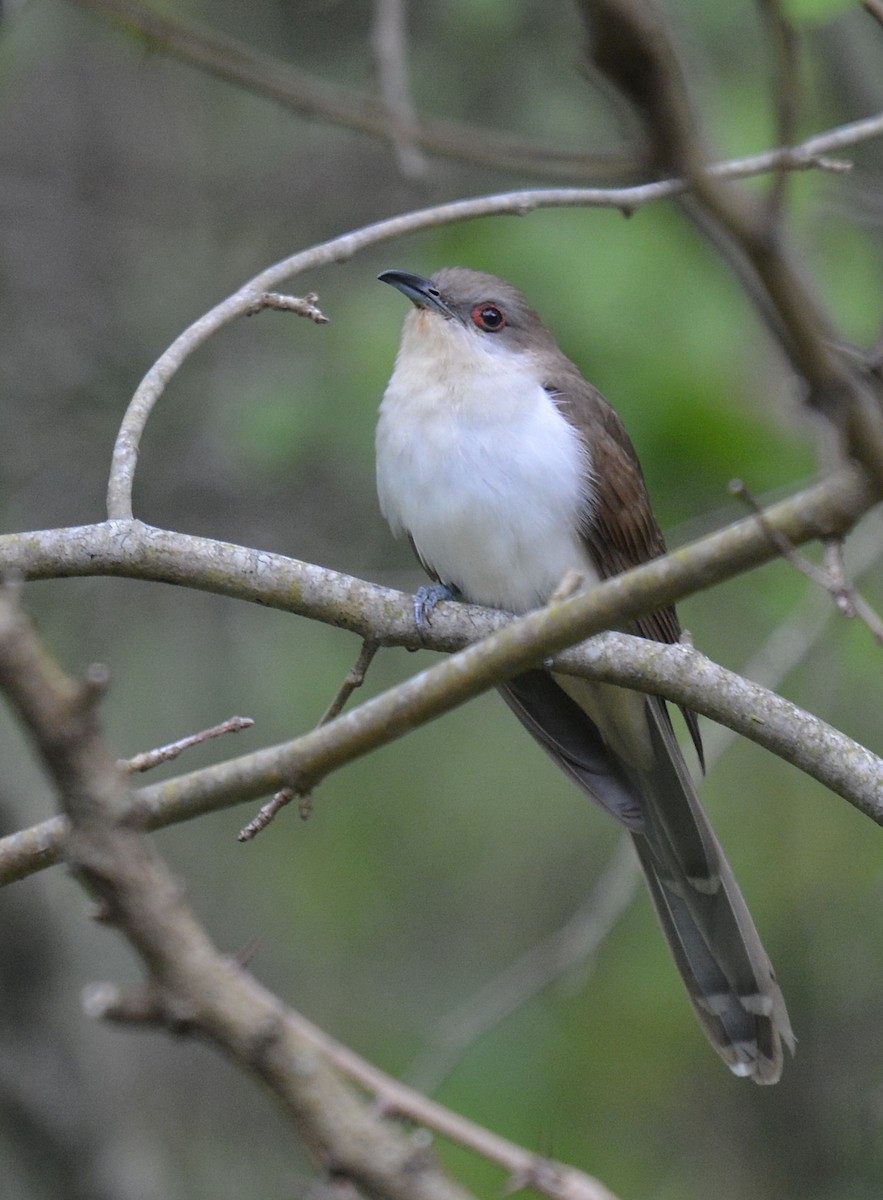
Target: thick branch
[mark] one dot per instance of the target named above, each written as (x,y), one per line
(386,617)
(193,986)
(676,672)
(138,551)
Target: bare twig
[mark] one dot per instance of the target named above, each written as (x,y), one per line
(835,570)
(304,306)
(831,577)
(786,95)
(850,600)
(267,814)
(148,759)
(354,679)
(573,944)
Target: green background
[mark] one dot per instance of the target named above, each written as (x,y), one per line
(135,193)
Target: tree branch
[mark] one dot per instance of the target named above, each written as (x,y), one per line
(251,295)
(632,45)
(317,99)
(386,617)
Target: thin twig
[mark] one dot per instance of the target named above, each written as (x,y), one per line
(354,679)
(850,600)
(831,577)
(526,1168)
(148,759)
(316,98)
(786,97)
(266,814)
(575,943)
(304,306)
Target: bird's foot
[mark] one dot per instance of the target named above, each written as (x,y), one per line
(425,600)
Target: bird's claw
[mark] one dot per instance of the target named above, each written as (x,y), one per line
(425,600)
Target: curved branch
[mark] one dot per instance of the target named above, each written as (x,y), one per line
(316,98)
(249,296)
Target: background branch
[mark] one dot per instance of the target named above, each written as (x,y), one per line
(631,44)
(316,98)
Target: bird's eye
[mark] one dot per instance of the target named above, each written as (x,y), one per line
(488,317)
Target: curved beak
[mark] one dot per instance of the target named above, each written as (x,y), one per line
(421,292)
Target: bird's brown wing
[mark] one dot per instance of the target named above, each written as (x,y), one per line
(619,528)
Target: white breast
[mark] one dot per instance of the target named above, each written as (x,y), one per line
(475,462)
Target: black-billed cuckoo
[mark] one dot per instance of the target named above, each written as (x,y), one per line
(508,471)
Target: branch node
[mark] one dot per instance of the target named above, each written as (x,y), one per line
(102,913)
(94,687)
(266,814)
(109,1002)
(304,306)
(354,679)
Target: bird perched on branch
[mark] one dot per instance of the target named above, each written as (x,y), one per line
(507,470)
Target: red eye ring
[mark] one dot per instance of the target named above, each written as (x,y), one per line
(488,317)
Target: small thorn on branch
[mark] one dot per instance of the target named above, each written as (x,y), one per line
(152,758)
(304,306)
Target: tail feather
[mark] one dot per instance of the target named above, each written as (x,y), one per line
(712,937)
(706,922)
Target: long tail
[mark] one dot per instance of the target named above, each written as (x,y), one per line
(714,942)
(712,938)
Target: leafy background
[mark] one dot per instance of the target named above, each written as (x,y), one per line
(136,192)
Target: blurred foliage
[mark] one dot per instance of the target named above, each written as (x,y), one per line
(136,193)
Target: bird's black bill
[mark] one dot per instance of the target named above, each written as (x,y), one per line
(419,291)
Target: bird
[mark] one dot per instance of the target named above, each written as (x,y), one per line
(508,472)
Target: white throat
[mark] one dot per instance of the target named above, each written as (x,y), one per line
(478,466)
